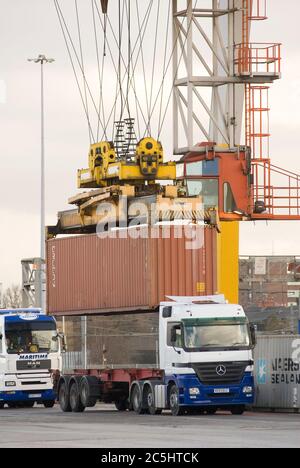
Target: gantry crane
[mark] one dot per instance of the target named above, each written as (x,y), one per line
(221,130)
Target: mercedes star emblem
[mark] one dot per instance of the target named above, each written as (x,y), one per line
(221,370)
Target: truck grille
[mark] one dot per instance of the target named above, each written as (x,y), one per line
(34,365)
(220,373)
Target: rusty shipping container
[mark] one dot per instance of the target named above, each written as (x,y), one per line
(91,275)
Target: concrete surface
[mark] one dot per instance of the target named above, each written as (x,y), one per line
(103,427)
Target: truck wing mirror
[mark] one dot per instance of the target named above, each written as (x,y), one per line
(174,335)
(64,347)
(253,335)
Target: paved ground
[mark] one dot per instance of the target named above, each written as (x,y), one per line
(106,428)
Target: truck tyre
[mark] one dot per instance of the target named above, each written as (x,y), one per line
(28,404)
(211,411)
(238,410)
(122,405)
(150,401)
(49,403)
(63,396)
(89,391)
(137,400)
(12,405)
(174,402)
(1,404)
(75,401)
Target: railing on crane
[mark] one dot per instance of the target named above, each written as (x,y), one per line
(275,191)
(254,58)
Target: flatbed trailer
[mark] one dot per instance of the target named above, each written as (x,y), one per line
(218,374)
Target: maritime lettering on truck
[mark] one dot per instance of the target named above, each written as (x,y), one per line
(32,357)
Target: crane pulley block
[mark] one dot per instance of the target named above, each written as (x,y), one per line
(108,167)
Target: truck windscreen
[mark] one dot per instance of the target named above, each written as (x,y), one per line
(215,336)
(31,337)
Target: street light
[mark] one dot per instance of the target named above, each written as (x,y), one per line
(42,59)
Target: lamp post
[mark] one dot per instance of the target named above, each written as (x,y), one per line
(42,59)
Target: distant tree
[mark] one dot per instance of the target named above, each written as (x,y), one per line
(12,298)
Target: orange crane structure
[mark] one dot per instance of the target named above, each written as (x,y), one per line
(237,175)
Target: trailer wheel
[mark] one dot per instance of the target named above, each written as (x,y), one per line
(63,396)
(49,403)
(176,409)
(238,410)
(150,401)
(122,405)
(137,400)
(75,401)
(89,391)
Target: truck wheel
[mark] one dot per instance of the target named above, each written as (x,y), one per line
(75,401)
(174,402)
(63,397)
(1,404)
(238,410)
(89,391)
(122,405)
(137,400)
(211,411)
(49,403)
(12,405)
(150,400)
(28,404)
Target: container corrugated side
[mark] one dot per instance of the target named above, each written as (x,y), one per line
(90,275)
(277,372)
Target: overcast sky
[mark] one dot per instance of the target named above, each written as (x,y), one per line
(30,27)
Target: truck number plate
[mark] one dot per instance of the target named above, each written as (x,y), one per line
(221,390)
(36,395)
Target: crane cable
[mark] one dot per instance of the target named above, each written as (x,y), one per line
(175,74)
(154,54)
(83,67)
(114,66)
(143,66)
(128,10)
(164,68)
(100,68)
(73,67)
(142,34)
(67,35)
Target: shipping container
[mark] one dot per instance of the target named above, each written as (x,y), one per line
(277,372)
(121,273)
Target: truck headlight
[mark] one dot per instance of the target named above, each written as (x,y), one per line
(10,383)
(194,391)
(247,390)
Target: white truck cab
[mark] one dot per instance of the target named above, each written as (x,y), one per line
(206,353)
(30,356)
